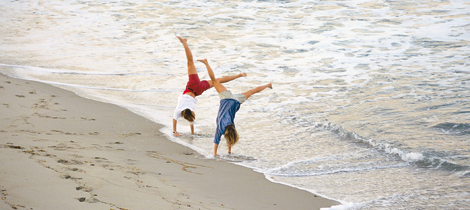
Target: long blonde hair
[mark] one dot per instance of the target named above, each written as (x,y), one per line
(188,115)
(231,135)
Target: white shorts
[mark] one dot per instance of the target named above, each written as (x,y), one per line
(227,94)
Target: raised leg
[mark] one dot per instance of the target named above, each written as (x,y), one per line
(257,90)
(214,82)
(189,56)
(230,78)
(227,78)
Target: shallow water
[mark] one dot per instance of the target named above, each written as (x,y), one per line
(370,104)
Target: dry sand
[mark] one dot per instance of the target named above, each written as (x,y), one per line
(62,151)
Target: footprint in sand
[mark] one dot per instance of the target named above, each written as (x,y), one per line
(131,134)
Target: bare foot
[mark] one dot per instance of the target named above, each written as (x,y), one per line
(243,74)
(184,41)
(203,61)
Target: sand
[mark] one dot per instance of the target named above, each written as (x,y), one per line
(62,151)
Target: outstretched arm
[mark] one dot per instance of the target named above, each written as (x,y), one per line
(218,134)
(174,128)
(215,150)
(217,85)
(175,133)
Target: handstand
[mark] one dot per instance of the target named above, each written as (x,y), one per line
(229,105)
(187,101)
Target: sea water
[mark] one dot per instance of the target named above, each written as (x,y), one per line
(371,98)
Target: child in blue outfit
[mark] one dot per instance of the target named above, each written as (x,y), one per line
(229,105)
(187,101)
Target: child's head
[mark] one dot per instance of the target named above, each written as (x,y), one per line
(231,135)
(188,115)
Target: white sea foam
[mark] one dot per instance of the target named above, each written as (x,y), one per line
(343,206)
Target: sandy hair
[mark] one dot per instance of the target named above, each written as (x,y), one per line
(188,115)
(231,135)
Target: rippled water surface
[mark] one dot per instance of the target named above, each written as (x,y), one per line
(370,104)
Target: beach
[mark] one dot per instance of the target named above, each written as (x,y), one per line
(61,151)
(370,104)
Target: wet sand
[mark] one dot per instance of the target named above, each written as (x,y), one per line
(62,151)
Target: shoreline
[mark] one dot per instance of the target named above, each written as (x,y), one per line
(63,151)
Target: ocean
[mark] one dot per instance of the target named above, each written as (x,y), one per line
(370,103)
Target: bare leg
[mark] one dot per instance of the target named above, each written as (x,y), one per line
(257,90)
(230,78)
(189,56)
(227,78)
(217,85)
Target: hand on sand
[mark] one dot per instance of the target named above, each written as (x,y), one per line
(243,74)
(270,85)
